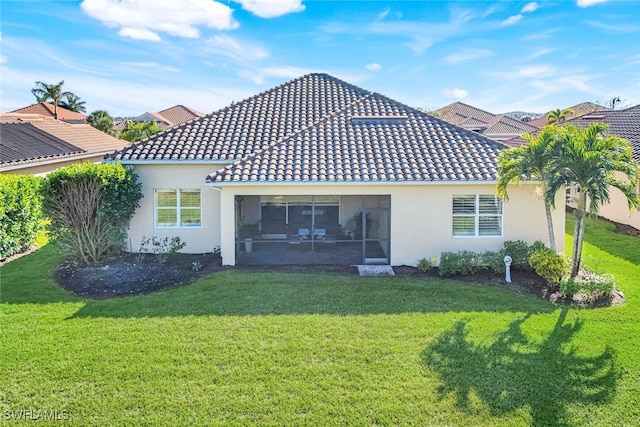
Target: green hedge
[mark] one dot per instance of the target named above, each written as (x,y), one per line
(20,213)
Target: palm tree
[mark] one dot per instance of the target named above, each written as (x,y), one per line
(559,116)
(135,131)
(101,120)
(53,92)
(529,161)
(593,162)
(72,102)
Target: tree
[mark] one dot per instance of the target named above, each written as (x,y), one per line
(101,120)
(90,207)
(593,162)
(72,102)
(529,161)
(135,131)
(559,116)
(45,92)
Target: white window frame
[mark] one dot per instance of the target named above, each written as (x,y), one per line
(476,215)
(178,208)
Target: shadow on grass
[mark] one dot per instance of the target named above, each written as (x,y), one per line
(601,234)
(514,373)
(242,293)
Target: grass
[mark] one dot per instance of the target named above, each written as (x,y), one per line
(242,348)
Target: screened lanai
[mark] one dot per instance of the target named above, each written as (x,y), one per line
(312,229)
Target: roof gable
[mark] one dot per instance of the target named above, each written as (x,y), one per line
(47,109)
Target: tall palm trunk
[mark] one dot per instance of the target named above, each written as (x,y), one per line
(578,233)
(552,237)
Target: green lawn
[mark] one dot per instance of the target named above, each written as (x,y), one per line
(241,348)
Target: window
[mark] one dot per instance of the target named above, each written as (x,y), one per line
(477,215)
(178,208)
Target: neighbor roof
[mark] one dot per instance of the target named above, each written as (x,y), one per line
(78,138)
(499,127)
(578,110)
(46,109)
(624,123)
(166,118)
(320,129)
(23,141)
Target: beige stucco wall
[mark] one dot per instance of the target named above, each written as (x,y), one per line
(421,218)
(199,240)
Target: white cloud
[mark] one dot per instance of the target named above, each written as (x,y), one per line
(145,19)
(465,55)
(455,93)
(615,28)
(384,13)
(536,71)
(234,48)
(530,7)
(373,67)
(587,3)
(271,8)
(512,20)
(541,52)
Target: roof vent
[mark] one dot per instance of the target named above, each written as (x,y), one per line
(398,119)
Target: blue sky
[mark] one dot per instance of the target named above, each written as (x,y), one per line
(132,56)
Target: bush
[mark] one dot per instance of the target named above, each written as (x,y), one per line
(461,262)
(492,260)
(20,213)
(161,248)
(593,286)
(520,252)
(549,265)
(425,264)
(90,206)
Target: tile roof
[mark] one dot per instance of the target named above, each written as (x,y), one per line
(179,114)
(578,110)
(624,123)
(320,129)
(498,127)
(82,137)
(23,141)
(46,109)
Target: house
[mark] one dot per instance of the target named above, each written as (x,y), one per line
(498,127)
(319,171)
(36,144)
(48,110)
(626,124)
(578,110)
(166,118)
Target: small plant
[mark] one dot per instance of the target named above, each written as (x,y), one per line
(425,264)
(162,248)
(144,248)
(217,253)
(592,286)
(461,262)
(549,265)
(196,266)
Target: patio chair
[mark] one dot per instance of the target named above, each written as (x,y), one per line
(304,233)
(319,234)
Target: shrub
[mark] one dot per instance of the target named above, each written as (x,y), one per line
(549,265)
(425,264)
(161,248)
(519,252)
(493,260)
(461,262)
(90,206)
(592,286)
(20,213)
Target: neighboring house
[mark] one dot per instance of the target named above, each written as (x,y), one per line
(166,118)
(578,110)
(626,124)
(35,144)
(498,127)
(319,171)
(47,110)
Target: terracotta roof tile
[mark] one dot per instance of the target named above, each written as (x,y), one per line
(46,109)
